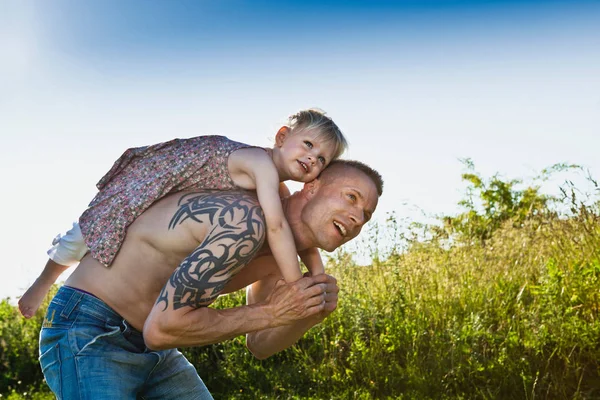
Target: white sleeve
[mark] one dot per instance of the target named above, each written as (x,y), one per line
(68,249)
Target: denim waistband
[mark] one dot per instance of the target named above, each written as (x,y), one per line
(80,290)
(74,298)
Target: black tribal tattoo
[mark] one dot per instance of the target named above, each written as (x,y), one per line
(238,233)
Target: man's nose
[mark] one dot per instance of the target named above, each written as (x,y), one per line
(358,218)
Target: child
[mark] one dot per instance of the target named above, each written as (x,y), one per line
(143,175)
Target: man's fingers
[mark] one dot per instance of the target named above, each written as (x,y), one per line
(331,297)
(322,291)
(315,306)
(332,287)
(307,296)
(323,297)
(315,280)
(316,290)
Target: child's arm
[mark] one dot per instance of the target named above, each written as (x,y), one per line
(279,233)
(312,259)
(254,169)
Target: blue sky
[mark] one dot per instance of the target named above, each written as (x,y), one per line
(414,85)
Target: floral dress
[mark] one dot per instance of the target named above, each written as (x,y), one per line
(143,175)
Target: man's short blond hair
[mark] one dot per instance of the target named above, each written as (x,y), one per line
(329,172)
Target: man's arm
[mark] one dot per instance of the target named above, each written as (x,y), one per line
(181,317)
(201,326)
(264,343)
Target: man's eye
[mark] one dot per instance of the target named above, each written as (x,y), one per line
(322,160)
(309,144)
(352,197)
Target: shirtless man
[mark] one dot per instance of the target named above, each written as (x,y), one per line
(113,332)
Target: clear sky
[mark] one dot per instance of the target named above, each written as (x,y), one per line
(415,85)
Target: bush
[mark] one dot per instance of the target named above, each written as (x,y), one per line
(508,310)
(19,347)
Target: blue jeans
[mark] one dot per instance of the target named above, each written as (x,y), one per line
(88,351)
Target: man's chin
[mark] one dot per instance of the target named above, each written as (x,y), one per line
(332,246)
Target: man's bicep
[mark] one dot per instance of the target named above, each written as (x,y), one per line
(237,233)
(197,282)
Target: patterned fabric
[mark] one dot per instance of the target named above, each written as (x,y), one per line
(143,175)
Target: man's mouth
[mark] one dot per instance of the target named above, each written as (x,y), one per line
(340,228)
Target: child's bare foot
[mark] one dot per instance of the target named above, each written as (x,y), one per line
(33,297)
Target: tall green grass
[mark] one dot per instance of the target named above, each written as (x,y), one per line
(505,311)
(515,318)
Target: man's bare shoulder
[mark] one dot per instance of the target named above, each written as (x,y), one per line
(224,205)
(199,206)
(181,221)
(216,198)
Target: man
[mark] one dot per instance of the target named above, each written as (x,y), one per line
(92,345)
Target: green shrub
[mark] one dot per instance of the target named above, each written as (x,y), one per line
(501,303)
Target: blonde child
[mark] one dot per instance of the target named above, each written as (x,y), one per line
(142,175)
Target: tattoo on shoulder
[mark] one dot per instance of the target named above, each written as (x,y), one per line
(238,232)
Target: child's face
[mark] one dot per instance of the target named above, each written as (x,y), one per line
(303,154)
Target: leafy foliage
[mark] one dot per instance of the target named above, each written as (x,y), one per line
(19,369)
(491,203)
(499,302)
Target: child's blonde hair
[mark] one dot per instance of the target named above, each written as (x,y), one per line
(313,118)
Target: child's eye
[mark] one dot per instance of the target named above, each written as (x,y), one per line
(309,144)
(322,160)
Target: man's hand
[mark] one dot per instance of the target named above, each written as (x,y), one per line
(331,298)
(311,296)
(298,306)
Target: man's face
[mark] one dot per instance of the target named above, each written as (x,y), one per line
(339,206)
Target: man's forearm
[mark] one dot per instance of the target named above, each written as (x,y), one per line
(288,305)
(264,343)
(203,326)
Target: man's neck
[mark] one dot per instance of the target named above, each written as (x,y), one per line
(292,209)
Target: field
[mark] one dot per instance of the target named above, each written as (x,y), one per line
(498,302)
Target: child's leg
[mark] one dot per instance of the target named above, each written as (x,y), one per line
(67,250)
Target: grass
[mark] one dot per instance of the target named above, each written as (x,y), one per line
(441,316)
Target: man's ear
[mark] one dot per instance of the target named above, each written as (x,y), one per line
(311,187)
(281,135)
